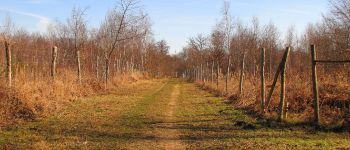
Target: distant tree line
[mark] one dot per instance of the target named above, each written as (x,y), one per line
(123,43)
(231,39)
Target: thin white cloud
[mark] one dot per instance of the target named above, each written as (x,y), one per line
(42,24)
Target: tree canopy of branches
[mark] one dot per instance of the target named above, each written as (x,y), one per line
(121,24)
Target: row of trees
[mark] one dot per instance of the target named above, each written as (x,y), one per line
(234,48)
(231,39)
(123,43)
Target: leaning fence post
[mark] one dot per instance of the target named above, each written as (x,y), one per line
(263,79)
(54,62)
(278,72)
(315,86)
(282,111)
(8,64)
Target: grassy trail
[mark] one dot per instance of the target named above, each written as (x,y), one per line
(160,114)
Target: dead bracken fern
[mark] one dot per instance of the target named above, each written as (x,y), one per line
(30,100)
(334,96)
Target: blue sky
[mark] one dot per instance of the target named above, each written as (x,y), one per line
(173,20)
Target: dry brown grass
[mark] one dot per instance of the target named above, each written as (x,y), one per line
(137,116)
(334,96)
(31,99)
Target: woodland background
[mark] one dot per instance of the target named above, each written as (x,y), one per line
(122,50)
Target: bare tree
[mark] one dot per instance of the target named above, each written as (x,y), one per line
(226,27)
(217,51)
(78,34)
(6,35)
(269,41)
(121,24)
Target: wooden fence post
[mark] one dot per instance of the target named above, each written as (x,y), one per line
(263,79)
(241,83)
(79,66)
(282,106)
(8,64)
(54,62)
(278,72)
(315,86)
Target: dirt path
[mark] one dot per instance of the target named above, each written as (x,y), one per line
(161,114)
(171,136)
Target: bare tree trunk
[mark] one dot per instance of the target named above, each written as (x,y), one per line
(254,69)
(201,73)
(196,72)
(212,72)
(206,73)
(241,83)
(127,67)
(217,75)
(131,66)
(15,74)
(118,66)
(106,71)
(262,79)
(54,62)
(96,68)
(8,64)
(142,64)
(270,65)
(227,75)
(25,71)
(79,66)
(114,67)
